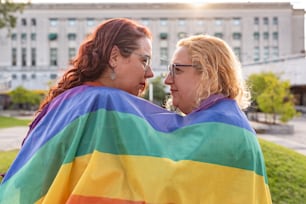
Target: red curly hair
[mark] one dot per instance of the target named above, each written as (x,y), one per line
(93,56)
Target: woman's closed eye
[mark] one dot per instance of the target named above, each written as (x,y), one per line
(145,61)
(178,70)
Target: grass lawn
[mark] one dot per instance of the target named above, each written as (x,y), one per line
(286,171)
(6,122)
(6,158)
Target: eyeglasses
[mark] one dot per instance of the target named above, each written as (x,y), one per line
(172,68)
(146,60)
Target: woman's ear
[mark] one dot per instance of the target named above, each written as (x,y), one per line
(114,56)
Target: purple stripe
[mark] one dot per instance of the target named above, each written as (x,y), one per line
(210,101)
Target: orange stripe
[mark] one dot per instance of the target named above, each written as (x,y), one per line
(92,200)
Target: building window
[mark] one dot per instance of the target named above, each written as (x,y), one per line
(163,56)
(275,21)
(266,53)
(275,52)
(266,36)
(53,76)
(256,54)
(14,76)
(237,36)
(218,21)
(33,22)
(71,52)
(53,56)
(53,22)
(71,21)
(236,21)
(71,36)
(33,56)
(13,36)
(90,21)
(163,36)
(266,21)
(24,77)
(181,35)
(33,36)
(256,21)
(23,22)
(14,56)
(145,21)
(256,35)
(218,35)
(237,51)
(23,56)
(33,76)
(163,22)
(181,21)
(275,35)
(52,36)
(23,37)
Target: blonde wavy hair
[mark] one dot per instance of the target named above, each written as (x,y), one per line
(220,69)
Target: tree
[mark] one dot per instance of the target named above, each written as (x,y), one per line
(159,93)
(7,11)
(272,96)
(25,99)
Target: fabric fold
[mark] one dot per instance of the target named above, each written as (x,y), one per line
(103,145)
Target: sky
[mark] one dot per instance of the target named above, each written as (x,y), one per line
(295,3)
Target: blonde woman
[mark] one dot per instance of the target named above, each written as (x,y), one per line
(205,66)
(206,84)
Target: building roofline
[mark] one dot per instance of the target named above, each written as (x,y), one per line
(249,5)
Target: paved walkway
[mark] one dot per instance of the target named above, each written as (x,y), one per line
(11,138)
(295,141)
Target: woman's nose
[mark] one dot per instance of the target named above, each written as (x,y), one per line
(169,79)
(149,73)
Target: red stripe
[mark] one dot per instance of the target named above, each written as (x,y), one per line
(77,199)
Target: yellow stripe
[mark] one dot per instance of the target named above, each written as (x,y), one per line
(65,181)
(156,180)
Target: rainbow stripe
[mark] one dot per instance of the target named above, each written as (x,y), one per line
(102,145)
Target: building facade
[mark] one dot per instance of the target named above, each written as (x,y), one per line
(47,36)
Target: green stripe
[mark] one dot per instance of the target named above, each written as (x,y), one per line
(216,143)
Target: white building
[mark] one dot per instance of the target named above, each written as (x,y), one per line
(290,68)
(48,35)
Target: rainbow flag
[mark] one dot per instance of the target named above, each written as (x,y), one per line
(102,145)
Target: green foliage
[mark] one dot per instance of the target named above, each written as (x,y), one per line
(286,171)
(23,96)
(272,95)
(159,93)
(7,10)
(258,83)
(6,122)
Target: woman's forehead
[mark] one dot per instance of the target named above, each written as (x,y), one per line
(181,54)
